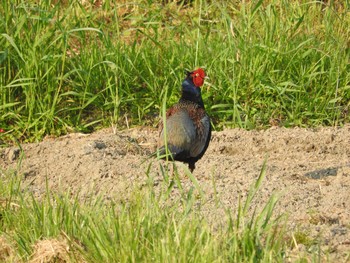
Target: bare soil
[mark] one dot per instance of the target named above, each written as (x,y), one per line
(308,168)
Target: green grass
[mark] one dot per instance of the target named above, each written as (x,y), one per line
(147,228)
(76,67)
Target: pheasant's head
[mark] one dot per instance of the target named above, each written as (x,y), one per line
(191,86)
(197,76)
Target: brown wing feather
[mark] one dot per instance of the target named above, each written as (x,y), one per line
(201,123)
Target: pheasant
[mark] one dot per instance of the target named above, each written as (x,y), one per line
(188,129)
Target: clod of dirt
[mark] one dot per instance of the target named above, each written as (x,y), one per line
(94,145)
(12,153)
(339,230)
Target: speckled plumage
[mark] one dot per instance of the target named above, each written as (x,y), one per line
(187,124)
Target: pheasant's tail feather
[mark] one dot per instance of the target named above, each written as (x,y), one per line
(160,153)
(174,153)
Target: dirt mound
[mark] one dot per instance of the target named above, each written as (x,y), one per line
(310,168)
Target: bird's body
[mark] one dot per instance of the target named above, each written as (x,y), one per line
(188,129)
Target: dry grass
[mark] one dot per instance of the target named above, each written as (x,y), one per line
(55,251)
(7,251)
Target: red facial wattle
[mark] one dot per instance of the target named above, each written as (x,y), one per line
(198,77)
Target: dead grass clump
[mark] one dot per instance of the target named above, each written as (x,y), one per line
(7,252)
(51,250)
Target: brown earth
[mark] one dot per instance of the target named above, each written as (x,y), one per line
(308,168)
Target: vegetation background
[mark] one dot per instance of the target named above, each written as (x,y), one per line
(81,65)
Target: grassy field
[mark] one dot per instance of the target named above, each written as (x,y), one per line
(147,228)
(78,66)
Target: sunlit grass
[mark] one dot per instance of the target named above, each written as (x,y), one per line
(77,67)
(148,227)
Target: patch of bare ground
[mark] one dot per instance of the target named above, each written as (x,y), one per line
(308,168)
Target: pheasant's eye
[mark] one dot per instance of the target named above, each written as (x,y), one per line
(197,74)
